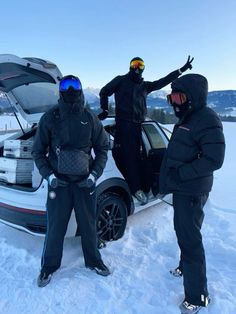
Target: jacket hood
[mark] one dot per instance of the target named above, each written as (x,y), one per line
(195,86)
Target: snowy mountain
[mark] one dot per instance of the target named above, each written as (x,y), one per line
(3,97)
(160,94)
(4,103)
(91,95)
(223,102)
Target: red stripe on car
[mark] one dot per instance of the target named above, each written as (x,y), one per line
(23,210)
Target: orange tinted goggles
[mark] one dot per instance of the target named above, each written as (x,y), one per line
(176,98)
(137,64)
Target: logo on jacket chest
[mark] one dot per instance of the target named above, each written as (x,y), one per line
(84,122)
(184,128)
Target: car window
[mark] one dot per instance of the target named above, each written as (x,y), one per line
(155,136)
(37,97)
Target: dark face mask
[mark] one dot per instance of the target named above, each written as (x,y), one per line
(180,110)
(71,96)
(136,75)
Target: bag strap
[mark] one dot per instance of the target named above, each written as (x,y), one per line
(57,116)
(56,113)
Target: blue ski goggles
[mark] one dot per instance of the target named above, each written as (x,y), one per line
(70,81)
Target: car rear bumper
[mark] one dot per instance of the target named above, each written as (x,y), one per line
(32,221)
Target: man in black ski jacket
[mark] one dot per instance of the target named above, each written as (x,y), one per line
(195,150)
(130,92)
(70,131)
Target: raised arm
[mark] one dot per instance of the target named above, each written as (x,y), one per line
(158,84)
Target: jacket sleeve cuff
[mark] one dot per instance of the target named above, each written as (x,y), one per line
(94,173)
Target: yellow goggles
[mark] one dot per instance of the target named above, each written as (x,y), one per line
(137,64)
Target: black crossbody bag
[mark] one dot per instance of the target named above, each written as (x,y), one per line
(72,162)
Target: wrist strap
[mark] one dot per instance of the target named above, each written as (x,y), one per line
(180,72)
(94,173)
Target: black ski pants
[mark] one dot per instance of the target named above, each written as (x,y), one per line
(188,219)
(126,152)
(60,203)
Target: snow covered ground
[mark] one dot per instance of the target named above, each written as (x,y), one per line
(140,282)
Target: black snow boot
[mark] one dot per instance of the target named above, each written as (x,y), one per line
(177,272)
(100,269)
(43,279)
(188,308)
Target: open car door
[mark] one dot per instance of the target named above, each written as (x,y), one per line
(155,142)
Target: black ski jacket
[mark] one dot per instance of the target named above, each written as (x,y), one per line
(71,127)
(130,96)
(197,144)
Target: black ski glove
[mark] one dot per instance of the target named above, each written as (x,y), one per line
(54,182)
(89,181)
(103,115)
(187,65)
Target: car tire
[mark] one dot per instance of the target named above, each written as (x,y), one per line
(112,217)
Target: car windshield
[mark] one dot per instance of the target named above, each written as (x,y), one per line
(37,97)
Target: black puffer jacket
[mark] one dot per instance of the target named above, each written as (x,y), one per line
(197,144)
(69,127)
(130,96)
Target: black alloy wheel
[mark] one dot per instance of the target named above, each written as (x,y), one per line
(112,217)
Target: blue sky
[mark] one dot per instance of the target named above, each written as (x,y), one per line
(95,39)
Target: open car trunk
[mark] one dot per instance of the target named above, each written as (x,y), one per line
(28,88)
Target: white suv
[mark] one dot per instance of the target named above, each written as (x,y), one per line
(30,87)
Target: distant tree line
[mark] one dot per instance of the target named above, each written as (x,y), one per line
(160,115)
(5,110)
(155,114)
(228,118)
(164,117)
